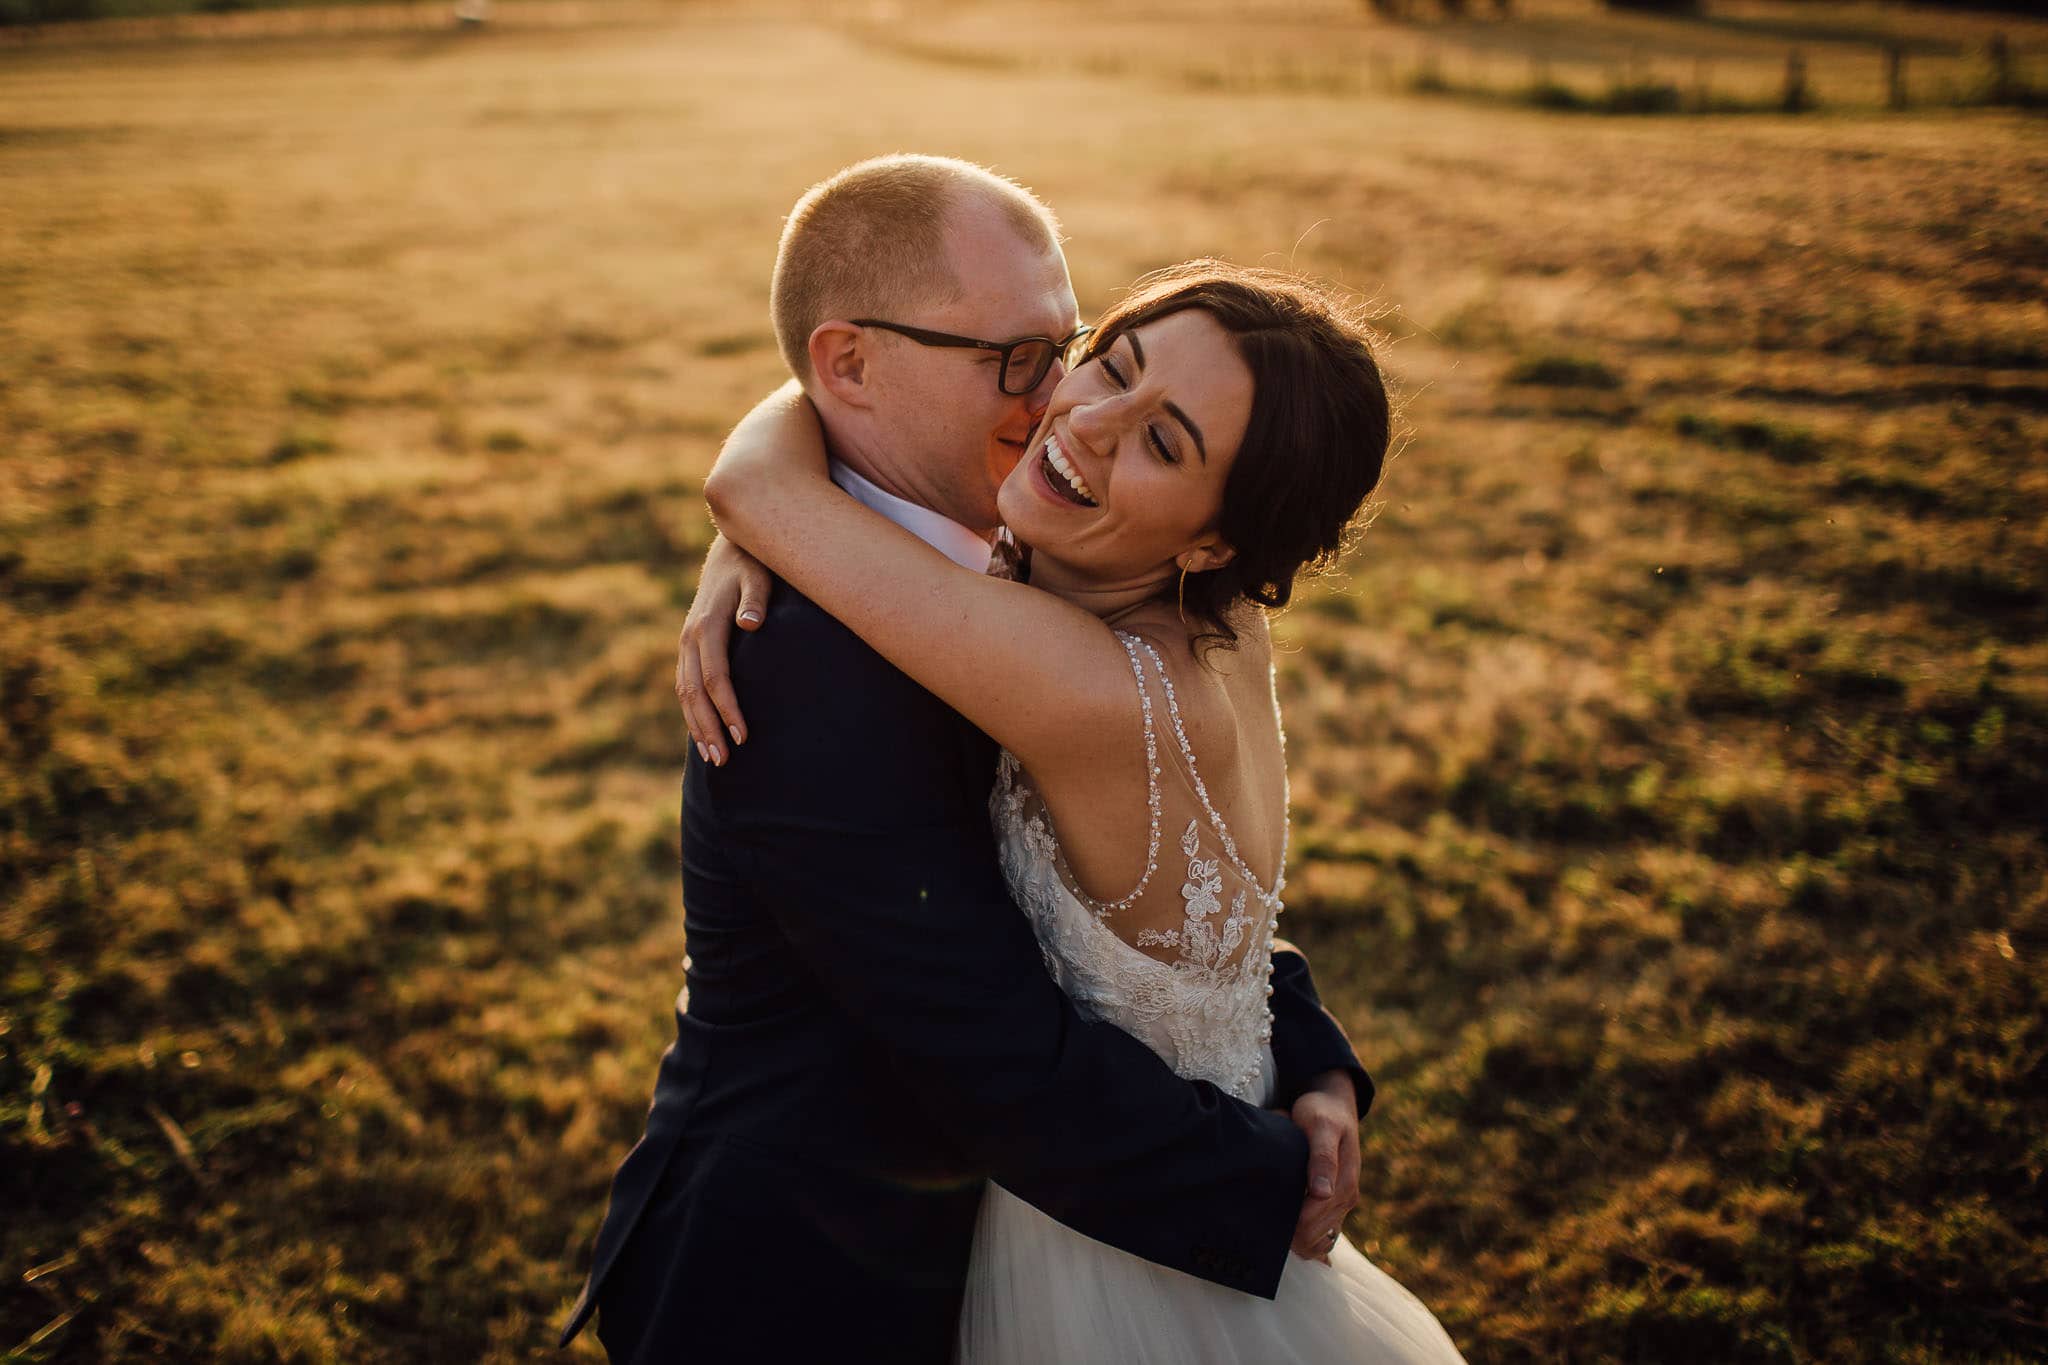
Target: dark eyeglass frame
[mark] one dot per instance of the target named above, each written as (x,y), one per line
(924,336)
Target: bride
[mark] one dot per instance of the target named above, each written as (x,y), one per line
(1218,434)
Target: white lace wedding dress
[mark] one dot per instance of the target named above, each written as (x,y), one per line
(1039,1292)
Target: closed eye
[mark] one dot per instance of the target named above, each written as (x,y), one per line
(1154,437)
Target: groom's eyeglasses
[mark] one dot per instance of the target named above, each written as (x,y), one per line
(1025,360)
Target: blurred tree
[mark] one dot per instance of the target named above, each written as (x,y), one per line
(15,13)
(1658,6)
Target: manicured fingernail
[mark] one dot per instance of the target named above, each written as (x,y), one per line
(739,736)
(703,752)
(751,618)
(1322,1186)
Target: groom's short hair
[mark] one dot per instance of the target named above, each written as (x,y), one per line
(870,241)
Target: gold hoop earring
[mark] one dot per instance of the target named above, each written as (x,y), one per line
(1183,594)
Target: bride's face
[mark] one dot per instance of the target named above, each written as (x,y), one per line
(1124,476)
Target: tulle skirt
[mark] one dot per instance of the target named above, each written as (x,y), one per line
(1039,1293)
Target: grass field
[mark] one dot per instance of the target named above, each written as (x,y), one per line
(1669,760)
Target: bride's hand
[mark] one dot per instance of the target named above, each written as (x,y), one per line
(732,589)
(1328,1114)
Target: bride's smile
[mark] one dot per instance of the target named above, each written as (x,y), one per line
(1127,469)
(1061,477)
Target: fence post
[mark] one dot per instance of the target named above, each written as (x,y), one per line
(1430,76)
(1795,82)
(2001,68)
(1895,77)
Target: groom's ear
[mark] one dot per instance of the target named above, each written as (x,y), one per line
(839,359)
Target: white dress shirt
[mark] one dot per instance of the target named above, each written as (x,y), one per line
(943,534)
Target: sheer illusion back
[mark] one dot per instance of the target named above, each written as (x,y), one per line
(1186,974)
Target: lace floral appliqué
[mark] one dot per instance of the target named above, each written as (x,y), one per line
(1203,946)
(1202,1004)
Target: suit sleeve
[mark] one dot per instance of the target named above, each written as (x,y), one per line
(847,809)
(1307,1039)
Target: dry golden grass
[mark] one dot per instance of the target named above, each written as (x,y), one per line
(1669,758)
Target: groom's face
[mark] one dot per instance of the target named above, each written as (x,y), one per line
(947,408)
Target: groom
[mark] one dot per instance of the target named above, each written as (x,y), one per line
(868,1031)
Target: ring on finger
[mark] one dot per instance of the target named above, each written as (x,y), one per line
(1330,1237)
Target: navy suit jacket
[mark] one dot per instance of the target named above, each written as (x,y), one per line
(868,1032)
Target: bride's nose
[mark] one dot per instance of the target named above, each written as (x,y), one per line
(1096,422)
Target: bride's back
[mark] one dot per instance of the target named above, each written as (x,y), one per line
(1187,808)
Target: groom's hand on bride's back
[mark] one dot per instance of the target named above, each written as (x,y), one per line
(1328,1113)
(732,590)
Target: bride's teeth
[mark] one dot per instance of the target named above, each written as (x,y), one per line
(1057,457)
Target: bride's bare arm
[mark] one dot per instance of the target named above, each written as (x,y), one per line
(1034,672)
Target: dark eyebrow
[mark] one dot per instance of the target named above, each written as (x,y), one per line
(1138,350)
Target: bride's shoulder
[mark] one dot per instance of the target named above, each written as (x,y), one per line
(1194,651)
(1201,669)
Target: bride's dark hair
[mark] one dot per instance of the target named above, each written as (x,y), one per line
(1314,445)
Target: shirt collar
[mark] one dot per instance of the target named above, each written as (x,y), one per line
(943,534)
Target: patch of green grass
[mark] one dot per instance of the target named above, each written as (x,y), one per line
(735,343)
(1640,97)
(297,444)
(1782,442)
(1476,325)
(1569,370)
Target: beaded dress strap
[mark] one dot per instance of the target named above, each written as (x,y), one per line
(1187,754)
(1104,909)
